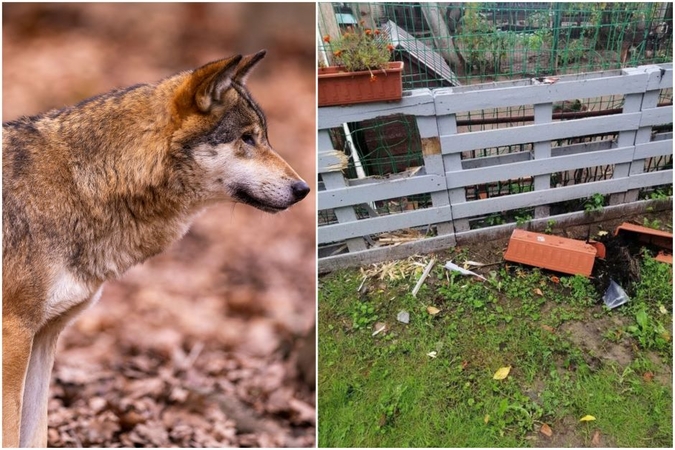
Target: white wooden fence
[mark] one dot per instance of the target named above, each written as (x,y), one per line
(445,175)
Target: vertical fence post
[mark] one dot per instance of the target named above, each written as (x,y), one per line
(433,164)
(543,113)
(631,103)
(452,162)
(644,134)
(335,180)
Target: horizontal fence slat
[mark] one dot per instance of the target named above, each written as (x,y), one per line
(386,189)
(418,102)
(655,148)
(537,198)
(650,179)
(449,101)
(656,116)
(393,222)
(501,137)
(538,167)
(330,161)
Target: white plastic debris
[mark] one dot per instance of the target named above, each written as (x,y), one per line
(432,354)
(424,276)
(379,328)
(454,267)
(614,295)
(403,317)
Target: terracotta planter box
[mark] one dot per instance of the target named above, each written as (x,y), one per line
(556,253)
(347,88)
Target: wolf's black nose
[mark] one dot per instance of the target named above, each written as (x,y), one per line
(300,190)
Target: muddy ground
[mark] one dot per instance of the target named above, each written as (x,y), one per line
(212,343)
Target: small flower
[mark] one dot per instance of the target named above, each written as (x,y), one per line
(390,47)
(377,32)
(337,53)
(369,31)
(326,38)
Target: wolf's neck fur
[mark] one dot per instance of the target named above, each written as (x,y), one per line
(117,183)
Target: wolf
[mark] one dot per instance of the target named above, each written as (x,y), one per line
(91,190)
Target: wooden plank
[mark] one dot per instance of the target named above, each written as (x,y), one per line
(462,142)
(452,101)
(335,180)
(417,102)
(657,79)
(433,164)
(655,148)
(332,161)
(385,189)
(536,198)
(538,167)
(543,114)
(656,116)
(393,222)
(498,160)
(650,179)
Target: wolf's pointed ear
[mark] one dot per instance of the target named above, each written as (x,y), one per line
(248,63)
(208,83)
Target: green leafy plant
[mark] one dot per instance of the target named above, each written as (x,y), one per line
(361,49)
(522,220)
(363,315)
(549,226)
(594,203)
(650,333)
(655,224)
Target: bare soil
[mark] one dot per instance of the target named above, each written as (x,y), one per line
(210,344)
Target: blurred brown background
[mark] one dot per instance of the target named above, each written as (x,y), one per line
(209,344)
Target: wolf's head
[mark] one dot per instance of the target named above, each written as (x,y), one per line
(222,134)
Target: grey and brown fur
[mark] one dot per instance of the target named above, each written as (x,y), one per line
(93,189)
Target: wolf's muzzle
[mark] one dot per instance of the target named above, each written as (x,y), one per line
(300,190)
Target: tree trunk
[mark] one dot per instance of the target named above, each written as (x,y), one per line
(433,14)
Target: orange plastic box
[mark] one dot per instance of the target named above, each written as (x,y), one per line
(647,235)
(551,252)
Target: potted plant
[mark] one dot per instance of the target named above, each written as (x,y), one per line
(364,72)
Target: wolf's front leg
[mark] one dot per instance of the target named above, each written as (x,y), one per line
(17,341)
(36,395)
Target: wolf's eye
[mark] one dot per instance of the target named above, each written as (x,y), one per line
(248,139)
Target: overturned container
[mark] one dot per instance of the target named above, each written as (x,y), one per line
(555,253)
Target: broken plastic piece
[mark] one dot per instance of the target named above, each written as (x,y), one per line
(614,295)
(424,276)
(403,317)
(664,257)
(450,266)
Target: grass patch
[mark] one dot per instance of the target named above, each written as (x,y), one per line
(569,357)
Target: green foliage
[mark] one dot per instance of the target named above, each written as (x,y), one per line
(549,226)
(594,203)
(363,315)
(483,44)
(650,333)
(581,290)
(521,220)
(661,194)
(362,49)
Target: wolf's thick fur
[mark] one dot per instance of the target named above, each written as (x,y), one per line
(91,190)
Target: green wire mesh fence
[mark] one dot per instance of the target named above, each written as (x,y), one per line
(445,44)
